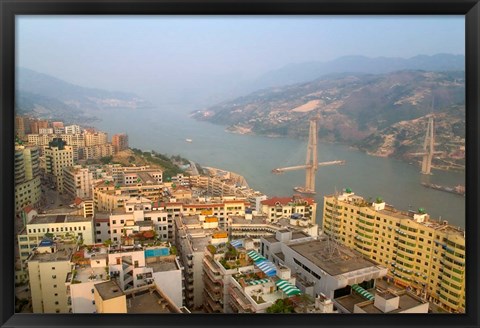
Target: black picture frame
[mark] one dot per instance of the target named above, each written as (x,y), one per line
(10,8)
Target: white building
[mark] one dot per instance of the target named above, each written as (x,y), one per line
(77,181)
(61,226)
(73,129)
(48,267)
(322,266)
(284,207)
(136,216)
(57,156)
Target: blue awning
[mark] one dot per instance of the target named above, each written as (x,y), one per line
(267,267)
(236,243)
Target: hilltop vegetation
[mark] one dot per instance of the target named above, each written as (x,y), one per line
(169,165)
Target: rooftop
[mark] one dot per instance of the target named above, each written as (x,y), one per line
(149,301)
(108,290)
(407,301)
(64,252)
(296,200)
(346,260)
(58,218)
(163,264)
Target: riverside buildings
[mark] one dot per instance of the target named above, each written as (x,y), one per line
(423,254)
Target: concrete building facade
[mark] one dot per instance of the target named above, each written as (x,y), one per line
(423,254)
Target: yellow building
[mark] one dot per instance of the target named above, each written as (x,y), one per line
(109,298)
(426,255)
(95,138)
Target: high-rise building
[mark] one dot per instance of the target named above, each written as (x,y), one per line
(95,138)
(425,255)
(20,126)
(27,177)
(57,156)
(72,129)
(120,142)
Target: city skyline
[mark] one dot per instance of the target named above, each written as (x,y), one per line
(135,197)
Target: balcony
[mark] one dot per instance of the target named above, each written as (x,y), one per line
(216,289)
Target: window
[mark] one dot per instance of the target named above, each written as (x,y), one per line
(54,277)
(56,294)
(54,286)
(53,268)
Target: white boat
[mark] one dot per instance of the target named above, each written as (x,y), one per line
(188,140)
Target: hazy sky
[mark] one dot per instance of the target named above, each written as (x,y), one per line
(142,54)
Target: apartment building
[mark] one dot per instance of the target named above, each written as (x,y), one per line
(130,267)
(138,216)
(257,226)
(20,126)
(73,129)
(77,181)
(192,235)
(423,254)
(102,226)
(57,156)
(48,266)
(239,280)
(60,226)
(109,195)
(95,138)
(284,207)
(96,151)
(27,177)
(120,142)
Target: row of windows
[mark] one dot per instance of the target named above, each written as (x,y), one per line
(57,229)
(307,269)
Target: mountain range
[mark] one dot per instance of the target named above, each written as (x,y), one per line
(45,96)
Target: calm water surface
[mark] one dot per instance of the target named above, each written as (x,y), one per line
(397,182)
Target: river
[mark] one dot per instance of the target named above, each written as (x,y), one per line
(397,182)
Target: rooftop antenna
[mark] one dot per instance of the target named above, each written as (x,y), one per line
(332,242)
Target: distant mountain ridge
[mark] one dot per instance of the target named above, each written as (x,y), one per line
(308,71)
(43,95)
